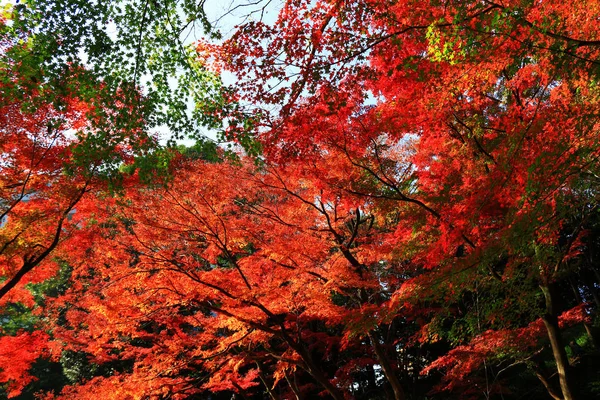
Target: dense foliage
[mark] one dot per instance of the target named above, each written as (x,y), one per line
(414,215)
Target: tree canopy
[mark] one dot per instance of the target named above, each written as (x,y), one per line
(412,212)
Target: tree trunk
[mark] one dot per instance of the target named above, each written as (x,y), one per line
(386,366)
(558,349)
(309,365)
(325,382)
(313,369)
(547,384)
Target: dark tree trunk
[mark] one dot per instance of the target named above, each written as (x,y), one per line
(558,349)
(317,373)
(540,372)
(386,367)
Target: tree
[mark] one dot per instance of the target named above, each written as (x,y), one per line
(89,118)
(218,275)
(121,49)
(494,92)
(54,153)
(424,216)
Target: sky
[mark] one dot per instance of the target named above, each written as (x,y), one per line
(225,16)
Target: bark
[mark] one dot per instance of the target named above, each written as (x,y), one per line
(315,371)
(324,381)
(386,367)
(539,372)
(558,349)
(591,334)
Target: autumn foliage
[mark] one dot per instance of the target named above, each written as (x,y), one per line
(421,222)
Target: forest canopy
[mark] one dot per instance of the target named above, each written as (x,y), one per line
(334,199)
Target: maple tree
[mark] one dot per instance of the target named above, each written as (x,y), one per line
(422,220)
(225,274)
(122,48)
(77,107)
(51,159)
(491,90)
(65,133)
